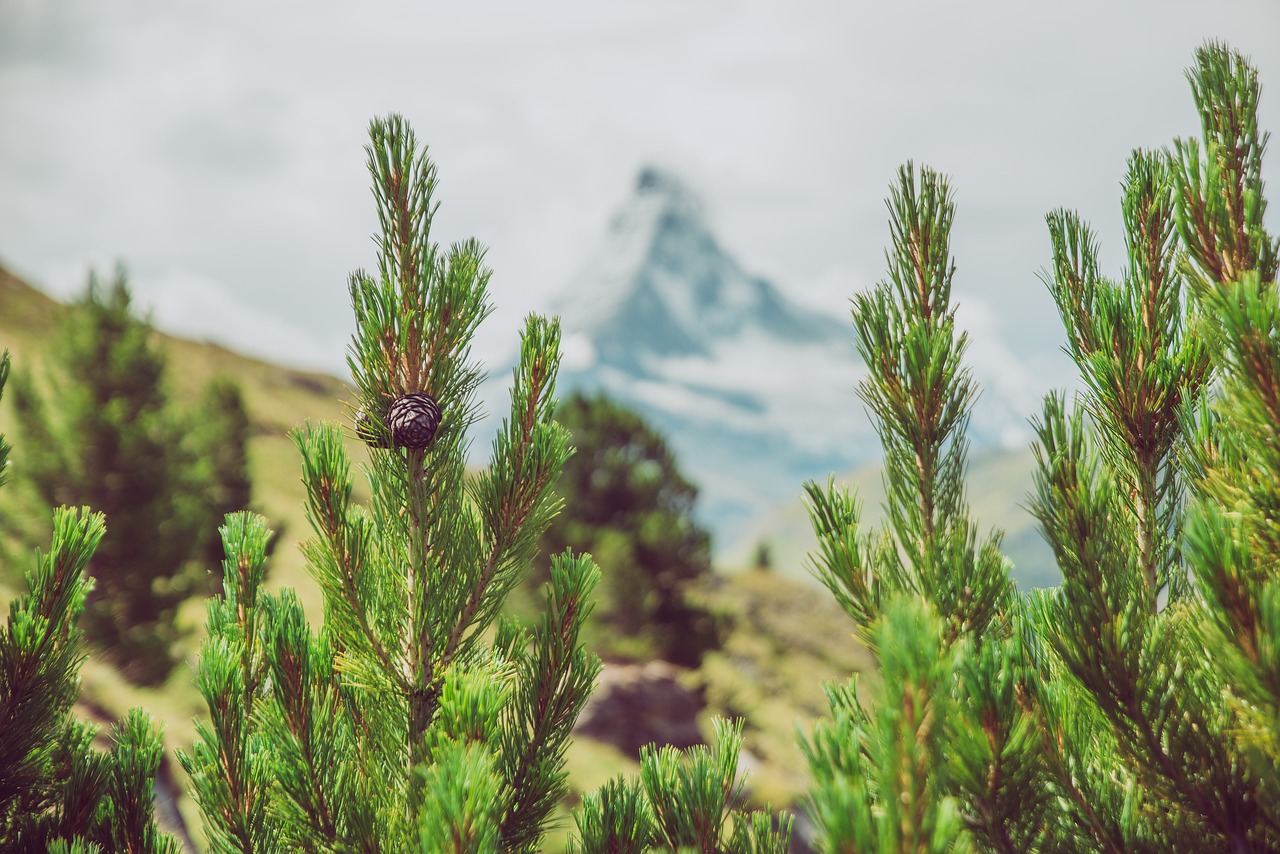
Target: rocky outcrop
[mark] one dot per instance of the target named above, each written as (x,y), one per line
(638,704)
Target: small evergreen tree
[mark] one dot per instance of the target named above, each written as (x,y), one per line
(57,792)
(221,450)
(626,502)
(762,558)
(1134,708)
(942,756)
(108,436)
(414,718)
(1128,627)
(417,718)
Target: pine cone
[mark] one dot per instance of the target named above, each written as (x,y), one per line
(413,420)
(374,434)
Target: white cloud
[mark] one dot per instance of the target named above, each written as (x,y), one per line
(577,353)
(226,139)
(198,307)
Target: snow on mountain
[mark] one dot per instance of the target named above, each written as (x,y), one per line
(754,392)
(660,287)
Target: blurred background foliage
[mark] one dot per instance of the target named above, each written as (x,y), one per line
(104,432)
(627,503)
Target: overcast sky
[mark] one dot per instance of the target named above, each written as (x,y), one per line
(215,148)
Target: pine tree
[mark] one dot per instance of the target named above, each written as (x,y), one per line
(58,792)
(1135,707)
(414,717)
(942,756)
(1128,627)
(221,451)
(627,503)
(108,436)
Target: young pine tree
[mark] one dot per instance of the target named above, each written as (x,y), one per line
(58,792)
(1134,708)
(627,503)
(108,436)
(414,717)
(1132,627)
(941,756)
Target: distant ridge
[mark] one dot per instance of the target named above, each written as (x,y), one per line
(26,313)
(29,317)
(999,483)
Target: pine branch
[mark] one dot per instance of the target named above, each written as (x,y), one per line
(40,658)
(230,763)
(921,393)
(466,792)
(690,794)
(303,719)
(135,756)
(1137,363)
(1098,804)
(515,494)
(845,564)
(879,782)
(1220,204)
(344,559)
(615,819)
(995,763)
(1111,640)
(554,682)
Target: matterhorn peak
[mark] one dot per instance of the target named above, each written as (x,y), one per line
(658,181)
(662,206)
(751,388)
(660,286)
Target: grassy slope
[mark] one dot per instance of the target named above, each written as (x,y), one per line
(784,640)
(770,671)
(279,399)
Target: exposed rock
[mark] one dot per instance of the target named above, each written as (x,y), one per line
(638,704)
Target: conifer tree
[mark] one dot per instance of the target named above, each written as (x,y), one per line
(221,452)
(108,436)
(414,718)
(942,756)
(1133,708)
(1127,626)
(628,504)
(58,792)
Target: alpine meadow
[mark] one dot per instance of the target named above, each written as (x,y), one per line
(437,684)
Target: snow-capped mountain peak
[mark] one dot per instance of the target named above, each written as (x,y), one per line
(754,392)
(660,286)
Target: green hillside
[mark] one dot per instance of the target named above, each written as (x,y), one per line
(999,484)
(278,399)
